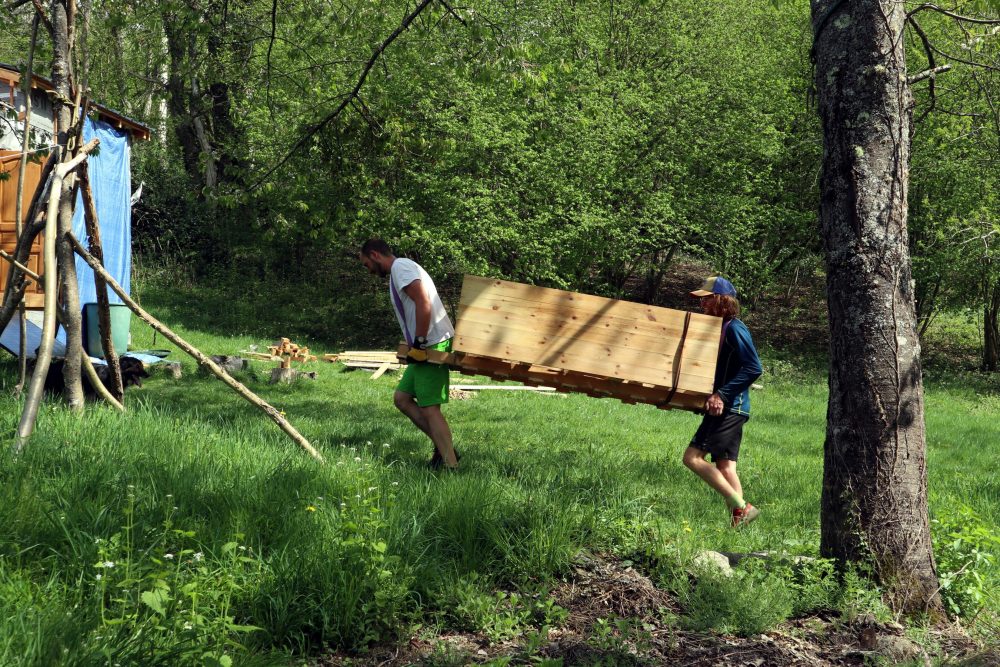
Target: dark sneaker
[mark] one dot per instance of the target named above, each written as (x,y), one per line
(747,515)
(437,462)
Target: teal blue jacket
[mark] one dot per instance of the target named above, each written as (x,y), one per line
(737,368)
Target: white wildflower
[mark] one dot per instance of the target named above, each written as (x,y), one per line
(108,564)
(99,577)
(168,556)
(198,556)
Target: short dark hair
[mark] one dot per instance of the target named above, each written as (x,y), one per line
(375,245)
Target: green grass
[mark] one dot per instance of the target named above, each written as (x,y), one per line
(230,542)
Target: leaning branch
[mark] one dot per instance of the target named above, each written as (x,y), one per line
(34,398)
(928,74)
(28,272)
(316,127)
(42,15)
(959,17)
(207,363)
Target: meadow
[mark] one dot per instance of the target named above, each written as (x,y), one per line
(190,531)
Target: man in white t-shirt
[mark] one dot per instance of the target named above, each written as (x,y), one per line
(426,326)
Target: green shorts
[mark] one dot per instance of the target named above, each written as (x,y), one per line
(428,383)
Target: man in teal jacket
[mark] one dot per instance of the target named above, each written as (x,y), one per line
(728,408)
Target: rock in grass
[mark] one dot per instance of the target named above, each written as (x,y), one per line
(707,561)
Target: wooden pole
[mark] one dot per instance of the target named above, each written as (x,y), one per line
(103,303)
(37,383)
(22,357)
(96,383)
(214,368)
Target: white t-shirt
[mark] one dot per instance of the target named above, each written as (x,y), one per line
(402,273)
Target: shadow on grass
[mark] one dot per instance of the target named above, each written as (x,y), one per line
(354,313)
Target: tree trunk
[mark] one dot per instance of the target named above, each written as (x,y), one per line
(63,111)
(874,503)
(991,321)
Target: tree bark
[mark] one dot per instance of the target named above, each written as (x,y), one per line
(874,501)
(63,112)
(103,302)
(991,320)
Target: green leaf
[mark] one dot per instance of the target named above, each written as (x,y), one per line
(156,600)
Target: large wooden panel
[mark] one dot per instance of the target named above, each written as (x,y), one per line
(8,209)
(588,335)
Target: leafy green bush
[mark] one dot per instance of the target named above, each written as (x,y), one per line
(751,600)
(965,549)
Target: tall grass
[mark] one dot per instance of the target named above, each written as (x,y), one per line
(190,531)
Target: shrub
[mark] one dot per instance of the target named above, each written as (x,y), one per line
(965,549)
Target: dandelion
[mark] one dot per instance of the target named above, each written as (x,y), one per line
(168,556)
(310,509)
(198,556)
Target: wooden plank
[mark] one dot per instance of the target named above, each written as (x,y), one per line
(595,360)
(503,387)
(663,322)
(603,331)
(477,291)
(585,341)
(381,370)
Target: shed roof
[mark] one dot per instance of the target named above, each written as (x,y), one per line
(10,75)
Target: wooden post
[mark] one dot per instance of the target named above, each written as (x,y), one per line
(35,386)
(22,357)
(103,304)
(214,368)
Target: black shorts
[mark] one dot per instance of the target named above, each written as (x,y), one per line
(720,436)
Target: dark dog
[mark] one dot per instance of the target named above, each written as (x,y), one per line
(131,369)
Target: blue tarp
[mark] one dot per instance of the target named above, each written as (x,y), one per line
(111,180)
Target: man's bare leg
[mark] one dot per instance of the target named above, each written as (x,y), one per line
(408,406)
(431,421)
(728,470)
(440,434)
(694,459)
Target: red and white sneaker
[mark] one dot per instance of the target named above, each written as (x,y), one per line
(747,515)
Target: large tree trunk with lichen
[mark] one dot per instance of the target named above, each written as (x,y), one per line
(874,504)
(68,290)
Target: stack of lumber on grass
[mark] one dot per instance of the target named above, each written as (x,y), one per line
(581,343)
(371,360)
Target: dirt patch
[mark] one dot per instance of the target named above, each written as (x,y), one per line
(617,616)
